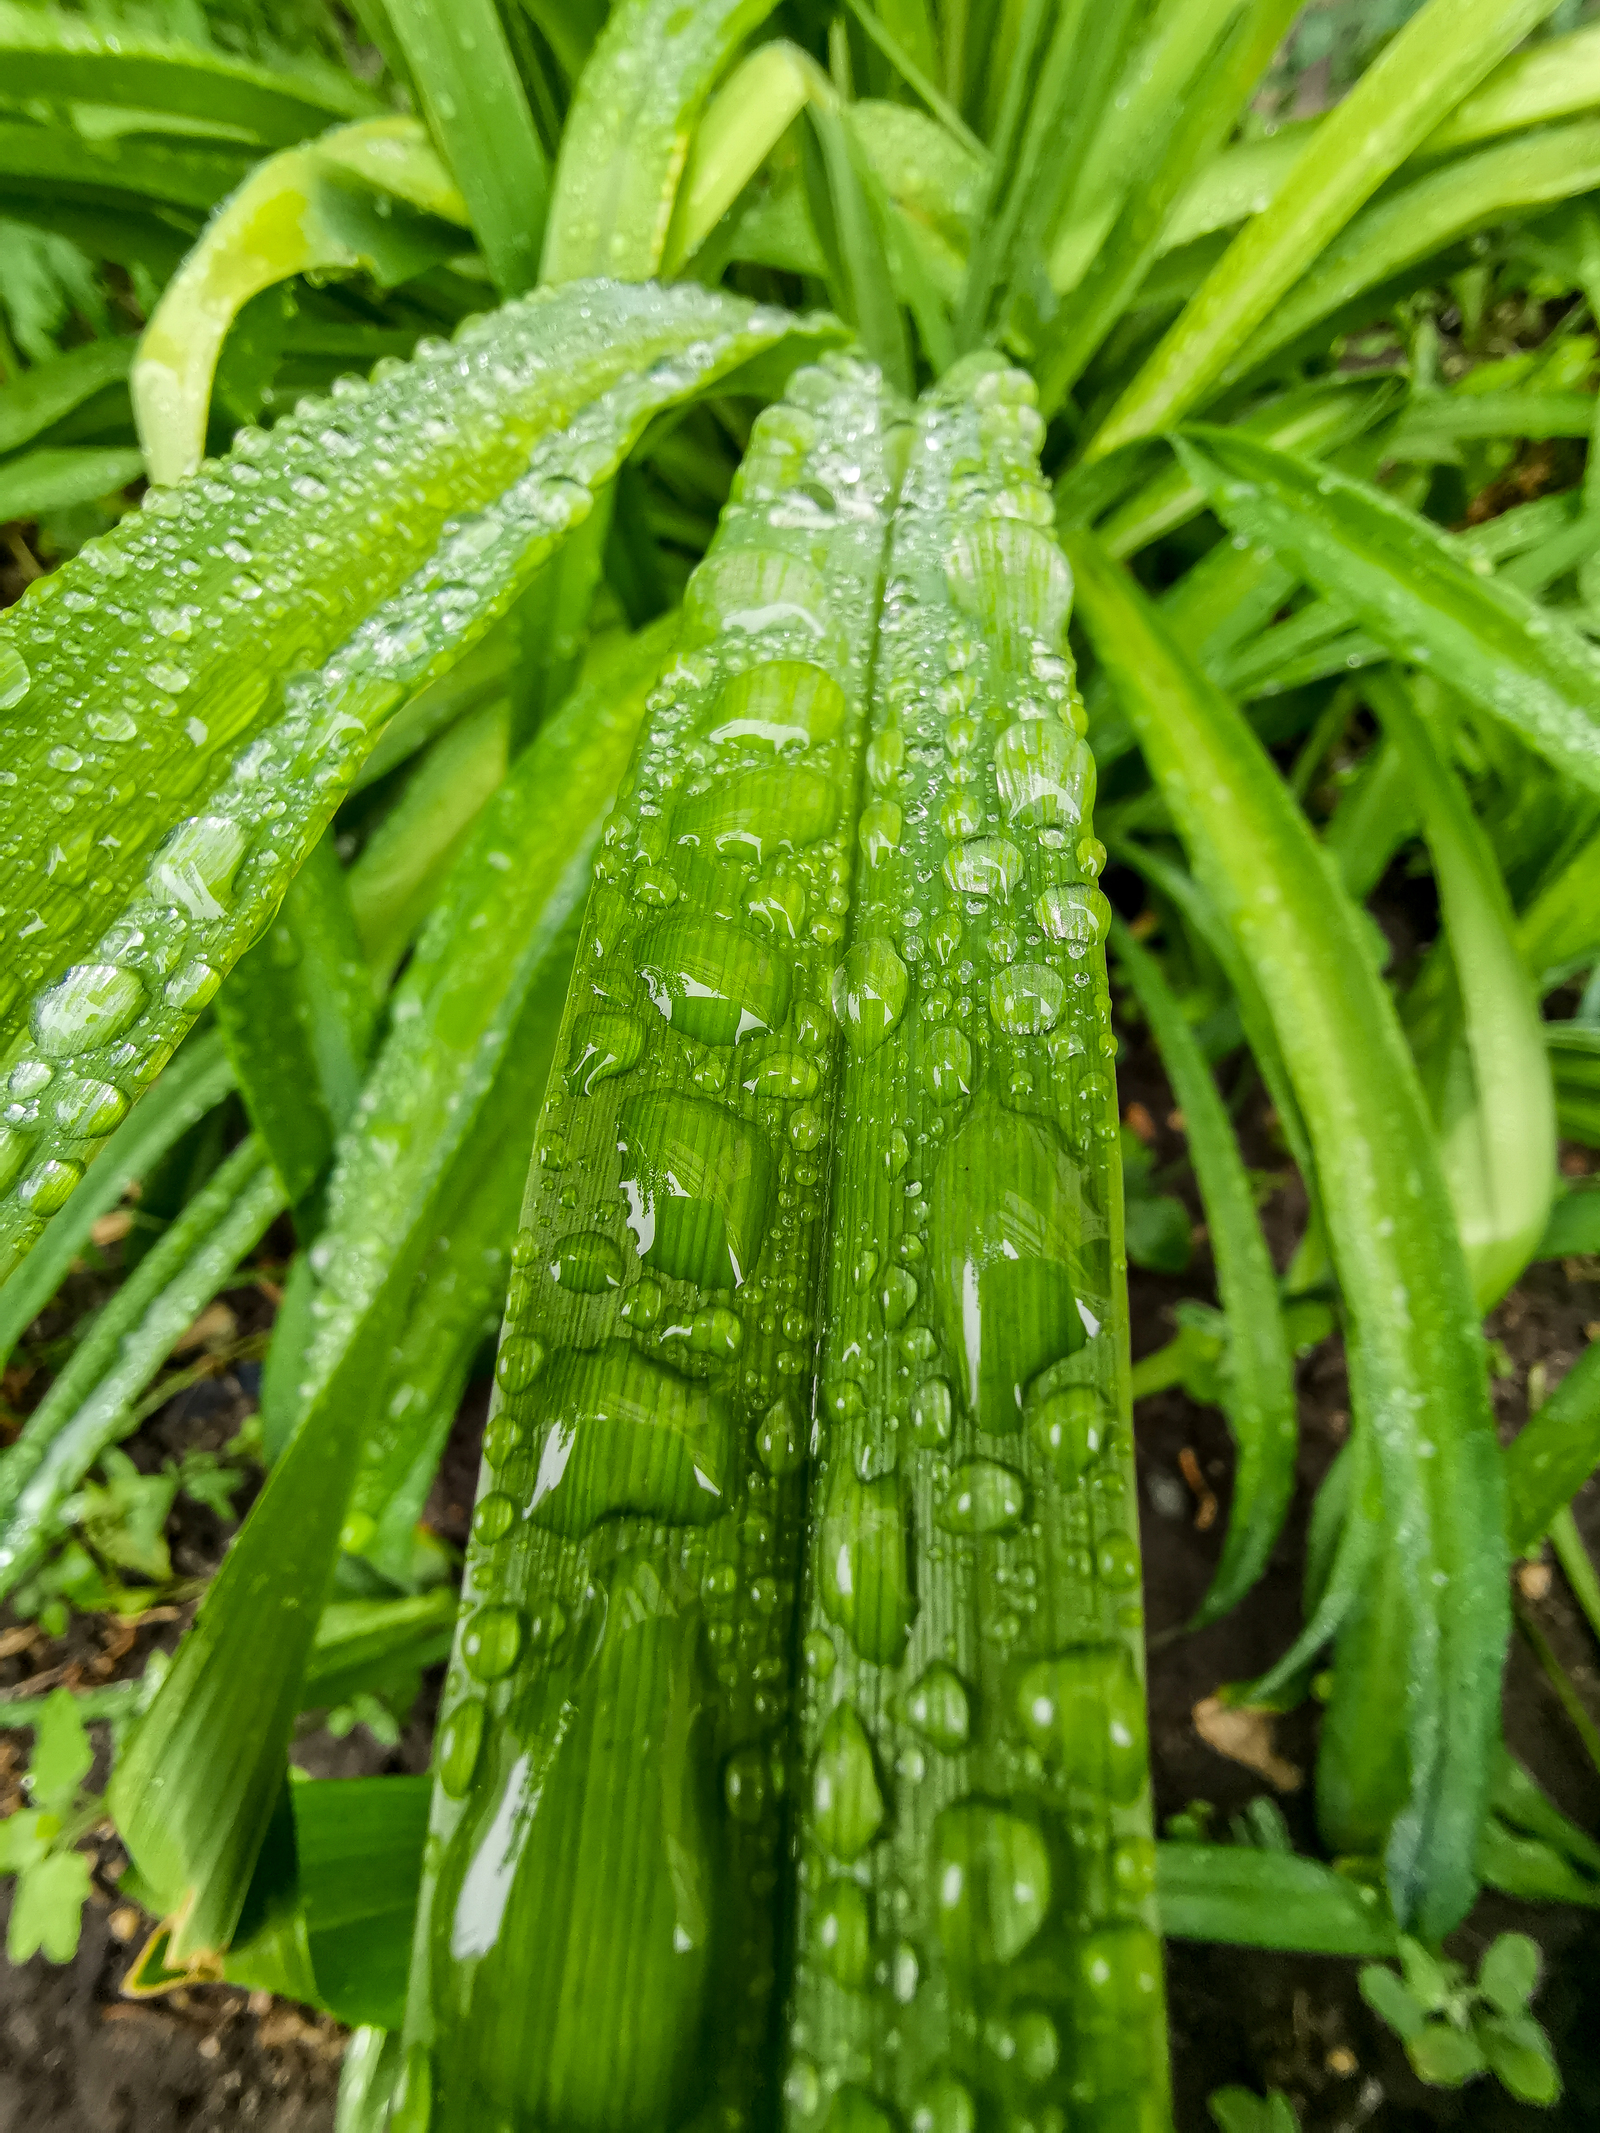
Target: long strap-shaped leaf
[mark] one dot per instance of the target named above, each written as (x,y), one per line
(61,58)
(1417,1371)
(973,1783)
(1409,584)
(253,630)
(196,1080)
(627,1634)
(1443,51)
(627,135)
(194,1790)
(1485,1065)
(1261,1402)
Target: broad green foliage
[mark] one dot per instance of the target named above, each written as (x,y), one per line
(535,751)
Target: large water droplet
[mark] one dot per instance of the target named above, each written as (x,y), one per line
(760,813)
(880,830)
(93,1003)
(944,2105)
(1044,775)
(491,1642)
(699,1182)
(627,1434)
(1008,1220)
(938,1706)
(788,703)
(1026,999)
(587,1262)
(869,994)
(196,865)
(991,1884)
(1071,1428)
(519,1362)
(1084,1711)
(1073,911)
(15,680)
(864,1572)
(847,1804)
(984,1497)
(714,982)
(842,1933)
(984,866)
(947,1064)
(460,1741)
(90,1109)
(780,1437)
(606,1042)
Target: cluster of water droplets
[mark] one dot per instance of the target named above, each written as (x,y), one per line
(623,1673)
(976,1938)
(187,700)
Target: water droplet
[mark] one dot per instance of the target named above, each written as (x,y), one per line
(820,1656)
(780,1438)
(699,1183)
(196,865)
(938,1706)
(788,703)
(857,2110)
(1117,1561)
(931,1410)
(802,2086)
(1044,775)
(15,680)
(93,1003)
(1007,1222)
(745,1785)
(984,1497)
(519,1362)
(991,1884)
(760,813)
(947,1064)
(162,675)
(896,1153)
(944,937)
(494,1517)
(714,982)
(48,1188)
(716,1331)
(870,988)
(944,2105)
(1027,999)
(491,1642)
(842,1933)
(1117,2008)
(606,1042)
(503,1437)
(1071,1428)
(789,1076)
(864,1572)
(985,866)
(847,1804)
(627,1434)
(1072,911)
(90,1109)
(64,759)
(880,830)
(460,1742)
(806,1130)
(898,1297)
(587,1263)
(961,816)
(1084,1711)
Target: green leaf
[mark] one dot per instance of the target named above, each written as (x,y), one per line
(1248,1898)
(1445,2056)
(297,1015)
(1443,52)
(1554,1454)
(1508,1976)
(629,130)
(216,699)
(1406,583)
(1392,2001)
(308,210)
(1547,80)
(62,1754)
(55,478)
(1428,1979)
(849,225)
(1260,1396)
(1574,1225)
(1241,2111)
(91,1402)
(47,1909)
(198,1079)
(1398,234)
(25,1835)
(1418,1382)
(1156,1232)
(741,125)
(41,397)
(62,59)
(1484,1061)
(1518,2054)
(478,114)
(190,1804)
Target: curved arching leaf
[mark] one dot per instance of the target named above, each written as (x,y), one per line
(254,629)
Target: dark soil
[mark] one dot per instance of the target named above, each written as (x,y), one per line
(75,2057)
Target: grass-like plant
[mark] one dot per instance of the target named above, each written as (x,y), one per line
(614,799)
